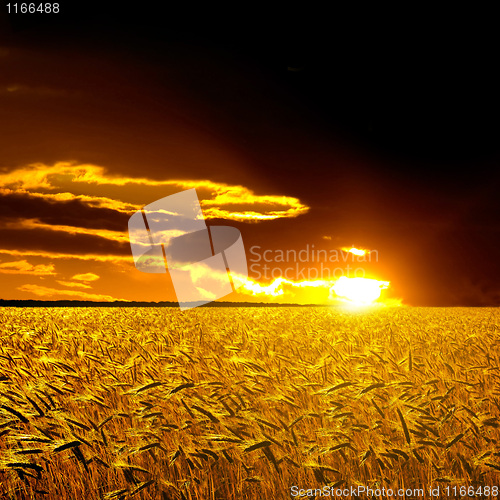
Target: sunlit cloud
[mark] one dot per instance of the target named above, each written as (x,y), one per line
(356,251)
(218,200)
(227,200)
(91,201)
(74,285)
(47,292)
(27,224)
(117,259)
(85,277)
(24,267)
(85,207)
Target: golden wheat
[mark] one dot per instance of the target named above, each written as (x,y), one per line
(235,403)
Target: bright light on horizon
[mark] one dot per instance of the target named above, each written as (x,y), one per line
(362,291)
(356,291)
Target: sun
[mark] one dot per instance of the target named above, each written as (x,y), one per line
(351,291)
(359,291)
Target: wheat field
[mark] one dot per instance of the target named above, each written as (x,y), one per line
(237,403)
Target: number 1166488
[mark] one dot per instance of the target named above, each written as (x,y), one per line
(33,8)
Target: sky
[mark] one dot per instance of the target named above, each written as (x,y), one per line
(306,137)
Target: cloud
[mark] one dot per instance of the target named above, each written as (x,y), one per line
(43,291)
(82,211)
(36,240)
(117,259)
(73,230)
(75,285)
(62,209)
(24,267)
(86,277)
(73,182)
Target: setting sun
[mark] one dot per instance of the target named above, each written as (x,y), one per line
(361,291)
(357,291)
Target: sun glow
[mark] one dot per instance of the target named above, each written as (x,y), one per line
(361,291)
(353,291)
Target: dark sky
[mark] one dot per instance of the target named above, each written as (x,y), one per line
(385,126)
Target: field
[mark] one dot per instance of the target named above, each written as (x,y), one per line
(237,403)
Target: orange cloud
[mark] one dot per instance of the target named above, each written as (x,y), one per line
(117,259)
(118,236)
(91,201)
(355,251)
(218,200)
(43,291)
(86,277)
(24,267)
(74,285)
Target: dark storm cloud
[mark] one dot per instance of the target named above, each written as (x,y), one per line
(75,213)
(60,242)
